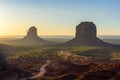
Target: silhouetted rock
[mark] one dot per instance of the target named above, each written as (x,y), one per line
(32,35)
(30,39)
(86,30)
(86,35)
(32,32)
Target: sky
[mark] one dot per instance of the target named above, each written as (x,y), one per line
(58,17)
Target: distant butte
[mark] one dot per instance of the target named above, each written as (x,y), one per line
(86,35)
(32,34)
(32,38)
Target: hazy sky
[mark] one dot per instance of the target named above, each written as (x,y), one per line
(58,17)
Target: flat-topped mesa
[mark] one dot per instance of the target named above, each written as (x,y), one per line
(86,34)
(32,32)
(86,30)
(32,38)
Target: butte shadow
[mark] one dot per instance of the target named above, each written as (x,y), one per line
(86,35)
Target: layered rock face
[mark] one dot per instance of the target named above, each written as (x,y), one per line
(32,32)
(86,34)
(86,30)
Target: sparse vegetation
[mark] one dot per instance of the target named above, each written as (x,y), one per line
(30,59)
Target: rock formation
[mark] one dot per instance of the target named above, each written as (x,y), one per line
(86,35)
(32,38)
(32,34)
(86,30)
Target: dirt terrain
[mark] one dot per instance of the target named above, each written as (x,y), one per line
(59,70)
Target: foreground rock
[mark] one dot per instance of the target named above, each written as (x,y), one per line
(3,61)
(59,70)
(91,71)
(86,34)
(4,51)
